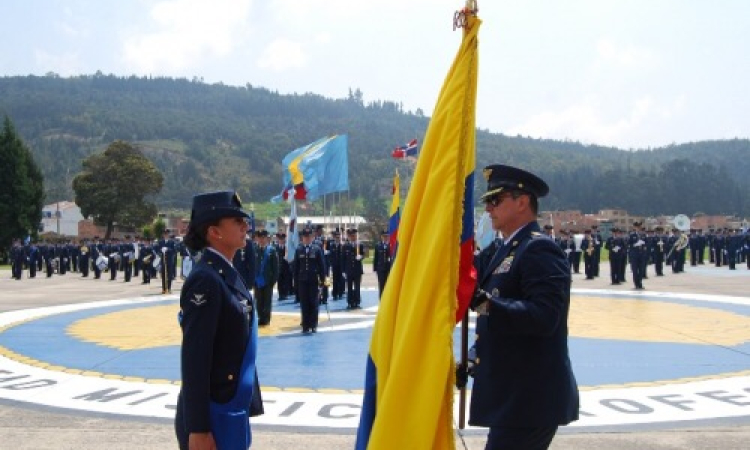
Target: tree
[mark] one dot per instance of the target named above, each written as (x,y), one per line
(21,188)
(114,186)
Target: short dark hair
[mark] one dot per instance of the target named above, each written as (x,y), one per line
(533,201)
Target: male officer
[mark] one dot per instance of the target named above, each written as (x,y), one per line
(284,285)
(694,244)
(732,245)
(718,245)
(266,275)
(352,253)
(381,263)
(524,387)
(244,261)
(335,249)
(309,271)
(17,258)
(32,255)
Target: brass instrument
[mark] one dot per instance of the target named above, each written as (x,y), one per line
(590,248)
(679,245)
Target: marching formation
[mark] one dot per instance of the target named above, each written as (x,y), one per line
(655,247)
(133,257)
(319,269)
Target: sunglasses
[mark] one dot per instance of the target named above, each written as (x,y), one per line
(495,200)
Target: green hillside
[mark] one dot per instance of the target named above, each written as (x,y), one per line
(215,136)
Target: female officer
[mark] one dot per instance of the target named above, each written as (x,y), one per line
(219,332)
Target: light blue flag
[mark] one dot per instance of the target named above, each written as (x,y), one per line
(316,169)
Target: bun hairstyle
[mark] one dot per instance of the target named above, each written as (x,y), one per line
(195,238)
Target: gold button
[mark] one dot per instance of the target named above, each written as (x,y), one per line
(230,377)
(476,361)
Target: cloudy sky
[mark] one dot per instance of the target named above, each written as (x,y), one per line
(630,74)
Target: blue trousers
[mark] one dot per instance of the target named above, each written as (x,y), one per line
(507,438)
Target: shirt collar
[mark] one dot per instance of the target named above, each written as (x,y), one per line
(220,255)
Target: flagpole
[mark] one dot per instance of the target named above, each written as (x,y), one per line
(464,362)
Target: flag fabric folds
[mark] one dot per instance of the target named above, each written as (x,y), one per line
(409,380)
(316,169)
(403,151)
(292,234)
(395,215)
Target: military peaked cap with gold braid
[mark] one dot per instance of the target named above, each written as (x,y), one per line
(506,178)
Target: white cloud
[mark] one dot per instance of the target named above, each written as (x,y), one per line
(586,121)
(283,54)
(186,32)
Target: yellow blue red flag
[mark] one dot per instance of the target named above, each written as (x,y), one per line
(395,215)
(410,376)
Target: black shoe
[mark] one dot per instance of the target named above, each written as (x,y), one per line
(314,330)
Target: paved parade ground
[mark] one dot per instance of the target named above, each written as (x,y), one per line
(94,364)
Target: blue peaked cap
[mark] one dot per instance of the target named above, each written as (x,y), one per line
(212,206)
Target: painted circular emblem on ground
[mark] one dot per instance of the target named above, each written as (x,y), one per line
(649,358)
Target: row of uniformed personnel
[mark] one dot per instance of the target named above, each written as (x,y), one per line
(652,247)
(132,257)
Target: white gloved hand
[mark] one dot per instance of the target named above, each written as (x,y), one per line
(164,249)
(359,257)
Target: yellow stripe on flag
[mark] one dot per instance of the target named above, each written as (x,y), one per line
(412,339)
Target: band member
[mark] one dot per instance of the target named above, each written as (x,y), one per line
(114,259)
(166,249)
(637,253)
(589,247)
(616,247)
(84,259)
(659,249)
(96,251)
(146,255)
(598,244)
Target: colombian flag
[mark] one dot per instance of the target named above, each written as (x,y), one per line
(409,381)
(395,215)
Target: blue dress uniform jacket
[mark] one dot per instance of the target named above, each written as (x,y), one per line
(523,375)
(217,316)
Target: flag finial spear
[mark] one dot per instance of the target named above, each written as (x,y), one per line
(459,18)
